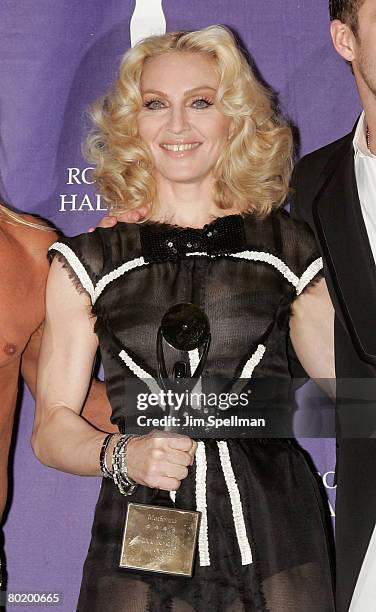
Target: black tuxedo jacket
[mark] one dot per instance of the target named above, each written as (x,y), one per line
(326,197)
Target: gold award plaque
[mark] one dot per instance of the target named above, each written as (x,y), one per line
(159,539)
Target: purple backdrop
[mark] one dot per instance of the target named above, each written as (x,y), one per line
(55,58)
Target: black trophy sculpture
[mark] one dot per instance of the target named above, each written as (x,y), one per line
(148,544)
(185,327)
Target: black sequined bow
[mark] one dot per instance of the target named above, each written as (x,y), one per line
(165,242)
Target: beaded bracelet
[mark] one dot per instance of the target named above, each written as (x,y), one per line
(103,456)
(119,462)
(125,484)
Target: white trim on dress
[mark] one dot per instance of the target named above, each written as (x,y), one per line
(309,274)
(201,468)
(139,262)
(270,259)
(76,266)
(253,361)
(142,374)
(84,278)
(236,504)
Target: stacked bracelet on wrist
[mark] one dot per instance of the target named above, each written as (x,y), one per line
(119,474)
(125,484)
(103,456)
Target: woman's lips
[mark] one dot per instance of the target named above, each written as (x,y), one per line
(181,149)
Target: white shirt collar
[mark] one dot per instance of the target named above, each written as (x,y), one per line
(360,139)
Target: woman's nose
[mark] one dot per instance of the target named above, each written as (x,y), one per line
(178,120)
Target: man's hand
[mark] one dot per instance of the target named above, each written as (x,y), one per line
(106,221)
(132,216)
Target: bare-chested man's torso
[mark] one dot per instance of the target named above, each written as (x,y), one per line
(23,273)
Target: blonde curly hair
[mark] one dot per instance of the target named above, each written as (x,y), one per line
(253,171)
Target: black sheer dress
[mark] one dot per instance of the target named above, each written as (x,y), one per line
(263,541)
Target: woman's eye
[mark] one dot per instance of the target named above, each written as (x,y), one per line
(202,103)
(154,104)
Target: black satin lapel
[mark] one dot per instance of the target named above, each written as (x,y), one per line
(346,249)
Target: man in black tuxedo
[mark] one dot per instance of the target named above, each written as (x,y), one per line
(335,192)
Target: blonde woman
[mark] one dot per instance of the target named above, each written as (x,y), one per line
(188,131)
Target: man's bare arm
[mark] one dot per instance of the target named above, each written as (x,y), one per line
(8,396)
(29,360)
(97,408)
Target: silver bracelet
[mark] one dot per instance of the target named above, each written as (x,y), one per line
(125,484)
(103,456)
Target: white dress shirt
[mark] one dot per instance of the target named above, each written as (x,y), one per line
(365,173)
(364,597)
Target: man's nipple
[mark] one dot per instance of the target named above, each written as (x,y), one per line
(9,349)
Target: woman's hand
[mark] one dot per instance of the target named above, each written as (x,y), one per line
(160,459)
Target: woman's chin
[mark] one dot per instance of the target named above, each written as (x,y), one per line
(183,176)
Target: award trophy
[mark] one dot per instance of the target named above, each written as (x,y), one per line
(160,538)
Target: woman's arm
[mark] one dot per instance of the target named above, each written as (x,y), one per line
(96,410)
(312,331)
(62,438)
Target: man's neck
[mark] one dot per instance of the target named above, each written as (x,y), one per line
(371,136)
(368,99)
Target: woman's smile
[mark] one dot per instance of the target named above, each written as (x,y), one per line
(179,149)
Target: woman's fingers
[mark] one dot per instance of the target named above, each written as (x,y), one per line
(179,457)
(167,484)
(158,456)
(165,451)
(183,444)
(192,451)
(172,470)
(180,442)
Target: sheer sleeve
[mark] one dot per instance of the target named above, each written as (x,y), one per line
(301,252)
(82,256)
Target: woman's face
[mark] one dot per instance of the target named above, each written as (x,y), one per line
(185,132)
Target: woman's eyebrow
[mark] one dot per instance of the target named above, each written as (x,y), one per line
(191,91)
(186,93)
(154,91)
